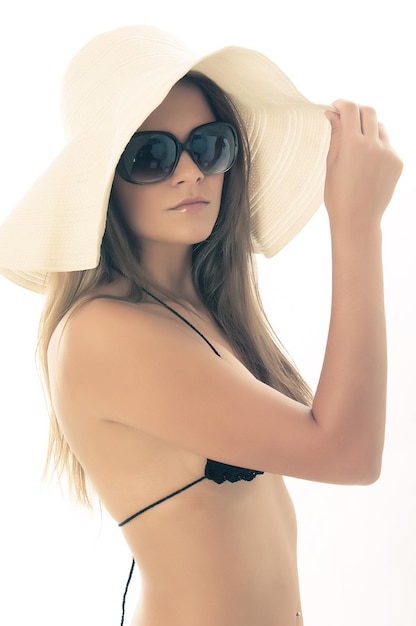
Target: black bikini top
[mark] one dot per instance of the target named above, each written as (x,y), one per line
(215,471)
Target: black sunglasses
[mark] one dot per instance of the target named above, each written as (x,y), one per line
(151,156)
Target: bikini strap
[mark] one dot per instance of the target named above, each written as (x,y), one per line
(183,319)
(123,606)
(150,506)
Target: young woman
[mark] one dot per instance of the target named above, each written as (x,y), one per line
(169,393)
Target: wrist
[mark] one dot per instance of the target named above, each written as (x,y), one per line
(355,233)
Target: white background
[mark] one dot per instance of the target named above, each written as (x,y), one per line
(60,565)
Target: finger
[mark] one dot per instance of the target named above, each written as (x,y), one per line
(349,114)
(334,120)
(333,117)
(382,133)
(369,123)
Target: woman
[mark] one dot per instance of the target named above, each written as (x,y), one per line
(168,391)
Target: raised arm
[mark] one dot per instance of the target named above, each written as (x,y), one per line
(362,171)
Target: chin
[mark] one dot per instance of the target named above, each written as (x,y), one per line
(202,237)
(195,235)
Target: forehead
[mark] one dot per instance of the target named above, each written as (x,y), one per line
(184,108)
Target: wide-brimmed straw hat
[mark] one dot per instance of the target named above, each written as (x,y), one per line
(109,89)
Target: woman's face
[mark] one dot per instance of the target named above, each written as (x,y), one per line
(183,208)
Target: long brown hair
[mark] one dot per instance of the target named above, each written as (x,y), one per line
(224,275)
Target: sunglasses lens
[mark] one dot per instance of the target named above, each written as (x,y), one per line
(150,157)
(214,147)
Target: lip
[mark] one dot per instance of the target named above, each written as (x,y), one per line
(191,203)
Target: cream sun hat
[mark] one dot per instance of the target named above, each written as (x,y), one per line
(110,87)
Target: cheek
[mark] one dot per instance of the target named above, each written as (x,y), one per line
(216,184)
(134,203)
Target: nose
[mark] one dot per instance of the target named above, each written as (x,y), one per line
(186,170)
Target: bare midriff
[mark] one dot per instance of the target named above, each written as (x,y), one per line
(219,555)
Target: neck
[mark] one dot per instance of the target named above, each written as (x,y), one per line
(170,267)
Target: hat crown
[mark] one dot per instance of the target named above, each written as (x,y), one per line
(115,68)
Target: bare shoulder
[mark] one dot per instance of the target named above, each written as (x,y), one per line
(102,322)
(100,335)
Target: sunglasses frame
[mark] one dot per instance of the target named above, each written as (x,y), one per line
(128,152)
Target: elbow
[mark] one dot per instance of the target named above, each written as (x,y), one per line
(355,462)
(368,477)
(370,473)
(364,469)
(370,457)
(359,456)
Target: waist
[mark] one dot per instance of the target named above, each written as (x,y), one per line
(225,548)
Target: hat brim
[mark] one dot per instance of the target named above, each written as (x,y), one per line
(59,224)
(289,139)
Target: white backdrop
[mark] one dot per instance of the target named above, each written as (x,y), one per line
(60,565)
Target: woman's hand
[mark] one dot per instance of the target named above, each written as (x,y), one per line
(362,168)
